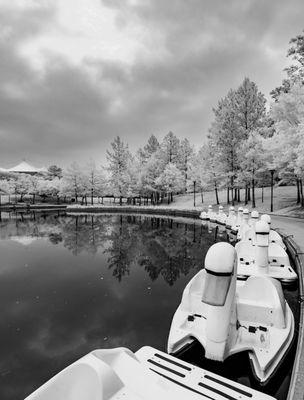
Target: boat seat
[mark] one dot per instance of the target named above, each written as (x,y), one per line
(261,301)
(77,382)
(112,374)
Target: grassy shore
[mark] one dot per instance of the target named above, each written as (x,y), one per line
(284,202)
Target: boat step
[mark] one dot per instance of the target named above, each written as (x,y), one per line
(193,379)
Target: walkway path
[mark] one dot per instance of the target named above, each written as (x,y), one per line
(290,226)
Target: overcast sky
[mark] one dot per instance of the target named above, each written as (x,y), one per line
(76,73)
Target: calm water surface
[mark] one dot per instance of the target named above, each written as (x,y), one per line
(69,285)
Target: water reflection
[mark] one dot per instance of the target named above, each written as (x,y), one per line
(69,285)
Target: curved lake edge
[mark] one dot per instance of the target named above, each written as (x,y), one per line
(296,388)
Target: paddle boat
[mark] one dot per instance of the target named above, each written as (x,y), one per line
(254,217)
(244,227)
(231,219)
(204,215)
(239,220)
(249,235)
(227,316)
(221,216)
(260,257)
(211,214)
(274,236)
(148,374)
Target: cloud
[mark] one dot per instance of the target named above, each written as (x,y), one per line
(154,66)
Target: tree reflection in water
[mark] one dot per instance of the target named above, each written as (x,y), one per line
(162,246)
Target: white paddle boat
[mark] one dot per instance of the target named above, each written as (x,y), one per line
(239,220)
(221,216)
(260,257)
(244,227)
(231,219)
(227,317)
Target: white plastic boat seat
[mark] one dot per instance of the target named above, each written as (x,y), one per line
(261,300)
(85,379)
(275,237)
(194,382)
(245,252)
(277,255)
(192,295)
(230,221)
(249,236)
(244,228)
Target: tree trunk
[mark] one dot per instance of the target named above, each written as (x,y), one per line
(228,200)
(298,191)
(246,195)
(239,195)
(202,196)
(302,198)
(216,195)
(120,200)
(33,198)
(253,194)
(92,194)
(235,194)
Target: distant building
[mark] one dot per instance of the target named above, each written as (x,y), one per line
(24,168)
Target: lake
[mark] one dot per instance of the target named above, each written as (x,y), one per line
(72,284)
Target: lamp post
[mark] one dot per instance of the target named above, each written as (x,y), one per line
(271,195)
(194,184)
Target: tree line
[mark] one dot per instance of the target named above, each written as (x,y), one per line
(244,143)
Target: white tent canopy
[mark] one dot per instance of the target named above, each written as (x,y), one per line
(25,167)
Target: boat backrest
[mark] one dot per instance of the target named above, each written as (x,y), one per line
(261,300)
(87,379)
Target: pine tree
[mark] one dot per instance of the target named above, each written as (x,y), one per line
(74,181)
(253,159)
(118,159)
(184,158)
(150,148)
(226,137)
(250,108)
(95,180)
(171,180)
(170,148)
